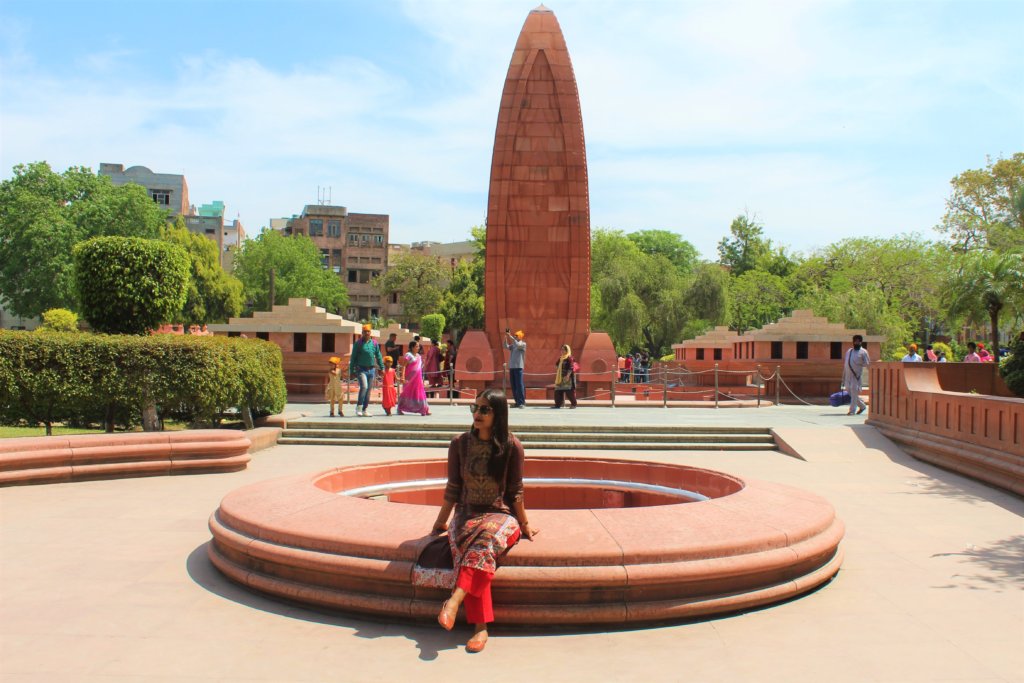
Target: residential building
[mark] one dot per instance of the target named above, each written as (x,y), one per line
(170,191)
(353,245)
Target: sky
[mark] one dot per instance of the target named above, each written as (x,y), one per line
(823,120)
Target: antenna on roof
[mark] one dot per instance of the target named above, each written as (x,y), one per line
(323,195)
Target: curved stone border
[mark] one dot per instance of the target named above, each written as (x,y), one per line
(754,543)
(48,459)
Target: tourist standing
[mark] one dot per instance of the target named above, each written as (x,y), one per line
(334,392)
(972,353)
(485,489)
(431,362)
(516,364)
(366,359)
(856,364)
(449,357)
(565,378)
(392,347)
(929,354)
(628,368)
(414,396)
(983,355)
(912,356)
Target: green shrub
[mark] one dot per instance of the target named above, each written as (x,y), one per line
(106,379)
(59,320)
(950,356)
(129,284)
(432,326)
(1012,368)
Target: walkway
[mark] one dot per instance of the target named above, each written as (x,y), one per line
(109,581)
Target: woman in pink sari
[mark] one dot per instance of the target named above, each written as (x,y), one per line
(414,397)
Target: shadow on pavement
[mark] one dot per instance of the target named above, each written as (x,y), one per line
(940,482)
(429,641)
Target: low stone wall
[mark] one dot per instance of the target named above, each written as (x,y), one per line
(928,409)
(49,459)
(628,560)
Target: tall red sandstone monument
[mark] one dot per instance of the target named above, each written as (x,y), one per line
(538,215)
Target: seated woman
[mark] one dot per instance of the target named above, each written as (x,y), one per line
(485,488)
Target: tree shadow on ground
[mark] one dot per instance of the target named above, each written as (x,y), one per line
(935,480)
(429,641)
(1003,560)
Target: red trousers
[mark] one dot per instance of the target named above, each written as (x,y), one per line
(477,584)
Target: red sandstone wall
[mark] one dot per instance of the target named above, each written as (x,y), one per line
(979,435)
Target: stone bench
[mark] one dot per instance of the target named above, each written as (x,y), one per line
(48,459)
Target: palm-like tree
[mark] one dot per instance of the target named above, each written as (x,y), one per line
(988,283)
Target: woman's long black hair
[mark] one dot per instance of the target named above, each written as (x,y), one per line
(500,437)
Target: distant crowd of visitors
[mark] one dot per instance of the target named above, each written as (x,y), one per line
(976,353)
(405,374)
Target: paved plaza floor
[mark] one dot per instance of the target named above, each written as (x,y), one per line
(109,580)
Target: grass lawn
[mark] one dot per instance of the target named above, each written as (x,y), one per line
(58,430)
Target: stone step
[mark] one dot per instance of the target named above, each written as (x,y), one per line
(530,437)
(396,424)
(562,445)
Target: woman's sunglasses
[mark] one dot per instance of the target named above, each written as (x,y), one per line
(483,410)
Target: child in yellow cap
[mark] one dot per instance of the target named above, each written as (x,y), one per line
(335,391)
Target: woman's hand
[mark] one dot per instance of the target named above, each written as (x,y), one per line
(527,532)
(439,528)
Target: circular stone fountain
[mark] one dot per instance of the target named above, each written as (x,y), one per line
(620,541)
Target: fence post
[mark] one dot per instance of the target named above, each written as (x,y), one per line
(716,385)
(664,386)
(504,377)
(759,386)
(615,378)
(778,385)
(451,386)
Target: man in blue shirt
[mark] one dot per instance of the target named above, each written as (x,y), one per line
(516,363)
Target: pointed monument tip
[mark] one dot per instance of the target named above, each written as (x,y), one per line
(541,9)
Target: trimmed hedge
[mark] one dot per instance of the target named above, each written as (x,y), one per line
(106,379)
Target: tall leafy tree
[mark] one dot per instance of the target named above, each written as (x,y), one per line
(640,297)
(298,272)
(681,253)
(985,209)
(987,285)
(756,298)
(463,303)
(419,280)
(44,214)
(746,247)
(212,295)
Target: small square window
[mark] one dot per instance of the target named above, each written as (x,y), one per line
(836,351)
(327,343)
(776,350)
(700,354)
(265,336)
(718,354)
(801,350)
(299,342)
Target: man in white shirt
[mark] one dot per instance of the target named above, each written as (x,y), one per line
(853,372)
(912,357)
